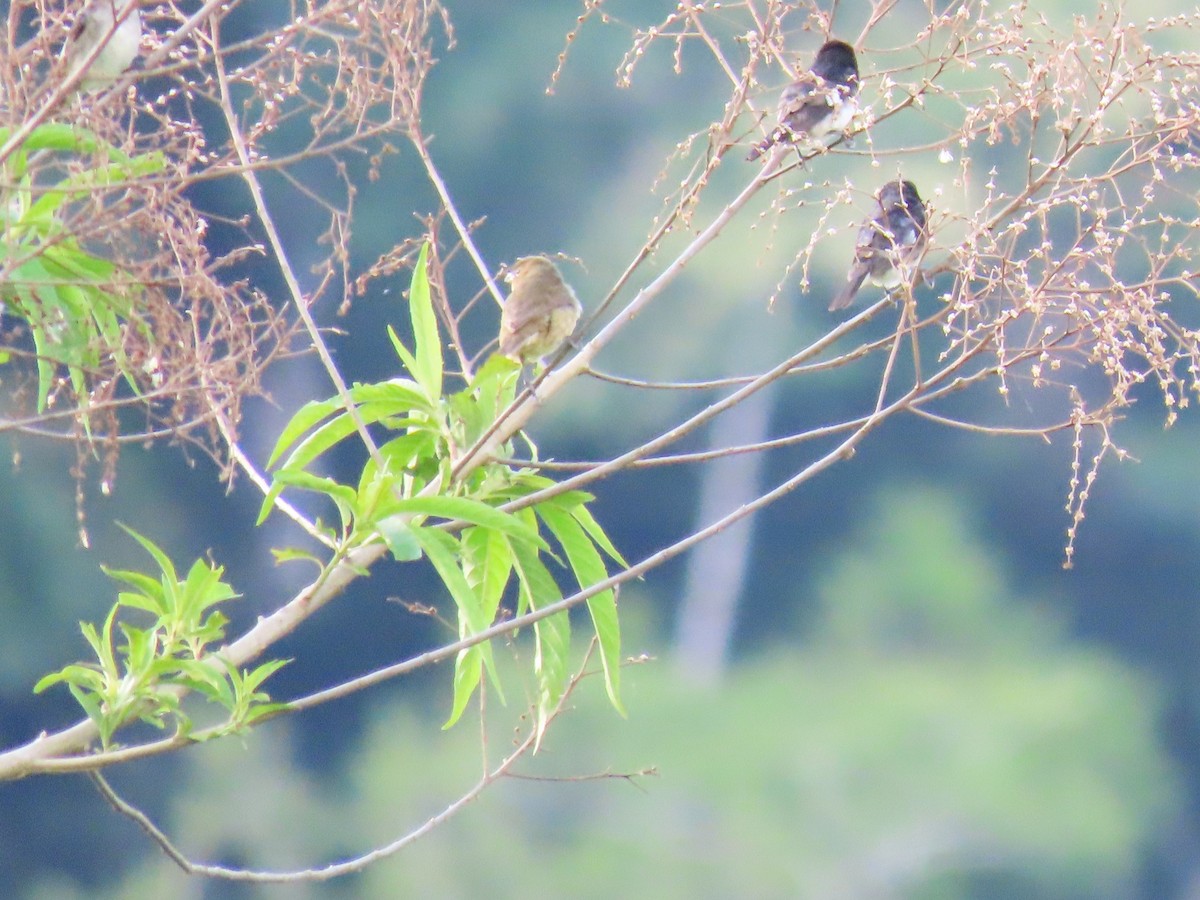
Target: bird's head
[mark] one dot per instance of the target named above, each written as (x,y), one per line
(836,62)
(528,267)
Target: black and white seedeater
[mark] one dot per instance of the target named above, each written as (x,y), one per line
(819,103)
(540,312)
(890,243)
(114,24)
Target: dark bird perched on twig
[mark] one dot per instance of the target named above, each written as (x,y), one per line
(540,312)
(889,243)
(819,103)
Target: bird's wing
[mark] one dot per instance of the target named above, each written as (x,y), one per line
(802,104)
(873,236)
(534,320)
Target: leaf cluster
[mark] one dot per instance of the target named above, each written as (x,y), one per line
(75,302)
(145,676)
(480,531)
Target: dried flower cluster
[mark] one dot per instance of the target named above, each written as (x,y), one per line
(1062,168)
(178,248)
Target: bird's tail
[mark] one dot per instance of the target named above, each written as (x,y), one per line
(857,276)
(765,144)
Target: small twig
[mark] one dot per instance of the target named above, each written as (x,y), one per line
(281,257)
(464,233)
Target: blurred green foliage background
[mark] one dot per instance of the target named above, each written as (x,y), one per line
(920,702)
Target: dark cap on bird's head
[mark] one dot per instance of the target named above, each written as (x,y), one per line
(901,193)
(836,63)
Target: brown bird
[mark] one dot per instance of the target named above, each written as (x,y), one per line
(889,243)
(819,103)
(540,312)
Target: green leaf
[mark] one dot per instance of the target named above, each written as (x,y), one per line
(342,495)
(46,349)
(91,707)
(81,183)
(305,418)
(83,676)
(467,510)
(492,389)
(147,603)
(144,583)
(55,136)
(203,588)
(256,676)
(396,396)
(443,551)
(399,454)
(551,664)
(205,679)
(552,635)
(468,670)
(292,554)
(140,647)
(268,504)
(588,567)
(425,329)
(397,533)
(164,562)
(406,358)
(101,644)
(309,435)
(584,517)
(319,440)
(538,587)
(487,562)
(575,503)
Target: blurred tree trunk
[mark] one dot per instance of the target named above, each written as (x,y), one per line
(717,568)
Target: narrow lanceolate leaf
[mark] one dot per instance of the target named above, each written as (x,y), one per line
(406,358)
(468,511)
(144,583)
(164,562)
(342,495)
(318,427)
(305,418)
(318,441)
(588,567)
(443,551)
(584,517)
(552,635)
(425,329)
(487,562)
(468,670)
(255,677)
